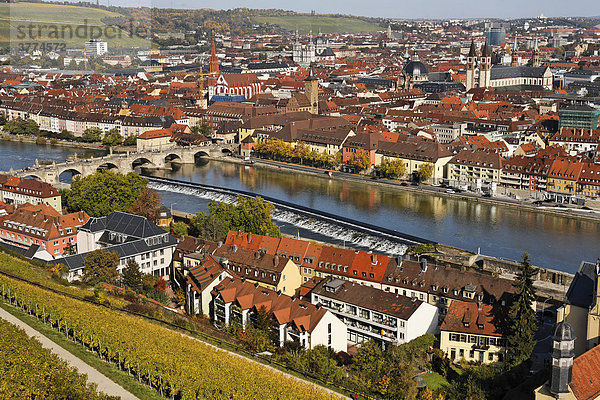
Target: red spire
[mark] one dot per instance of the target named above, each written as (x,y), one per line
(214,61)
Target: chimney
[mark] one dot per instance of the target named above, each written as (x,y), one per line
(374,259)
(479,306)
(424,265)
(249,237)
(234,248)
(276,260)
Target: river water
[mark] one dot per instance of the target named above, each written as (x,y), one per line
(552,241)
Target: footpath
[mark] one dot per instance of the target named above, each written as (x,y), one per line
(105,385)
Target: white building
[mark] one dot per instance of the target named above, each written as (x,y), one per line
(236,301)
(373,314)
(317,49)
(96,47)
(131,236)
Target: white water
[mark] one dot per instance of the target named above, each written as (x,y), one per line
(317,225)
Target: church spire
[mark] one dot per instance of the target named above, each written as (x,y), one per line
(472,51)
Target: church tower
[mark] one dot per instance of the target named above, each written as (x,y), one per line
(311,90)
(563,352)
(214,71)
(535,58)
(514,61)
(485,66)
(471,61)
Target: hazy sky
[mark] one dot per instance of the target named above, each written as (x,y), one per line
(398,8)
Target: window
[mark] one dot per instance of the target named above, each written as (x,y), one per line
(491,356)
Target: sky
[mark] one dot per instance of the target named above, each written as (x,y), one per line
(442,9)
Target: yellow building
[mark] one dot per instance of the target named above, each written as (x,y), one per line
(469,332)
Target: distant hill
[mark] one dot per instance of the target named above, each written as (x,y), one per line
(68,22)
(327,24)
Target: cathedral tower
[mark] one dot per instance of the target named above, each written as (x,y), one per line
(471,61)
(563,351)
(311,89)
(485,66)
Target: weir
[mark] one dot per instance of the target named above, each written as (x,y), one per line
(327,224)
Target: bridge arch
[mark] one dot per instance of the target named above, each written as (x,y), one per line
(226,151)
(141,162)
(107,166)
(68,174)
(33,176)
(200,154)
(173,157)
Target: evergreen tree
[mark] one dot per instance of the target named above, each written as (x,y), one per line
(132,276)
(522,326)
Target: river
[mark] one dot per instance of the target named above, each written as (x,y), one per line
(552,241)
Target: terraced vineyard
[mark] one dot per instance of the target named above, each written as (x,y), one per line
(171,363)
(29,371)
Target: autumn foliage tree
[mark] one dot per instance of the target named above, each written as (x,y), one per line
(147,205)
(101,266)
(360,160)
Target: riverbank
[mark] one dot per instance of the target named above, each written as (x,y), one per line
(52,142)
(500,200)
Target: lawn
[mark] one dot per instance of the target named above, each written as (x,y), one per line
(327,24)
(434,380)
(52,23)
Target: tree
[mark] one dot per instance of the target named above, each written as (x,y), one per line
(112,138)
(360,160)
(91,135)
(425,172)
(203,129)
(246,215)
(392,168)
(147,205)
(179,228)
(20,126)
(132,276)
(104,192)
(522,326)
(130,140)
(101,266)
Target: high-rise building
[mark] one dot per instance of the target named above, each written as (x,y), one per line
(96,47)
(496,36)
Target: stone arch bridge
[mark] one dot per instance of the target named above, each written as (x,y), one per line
(124,163)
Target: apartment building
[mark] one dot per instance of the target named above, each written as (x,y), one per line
(373,314)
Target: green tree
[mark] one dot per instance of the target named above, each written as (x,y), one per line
(132,276)
(370,359)
(91,135)
(147,205)
(179,228)
(521,325)
(130,140)
(202,128)
(104,192)
(360,160)
(20,126)
(101,266)
(425,172)
(112,138)
(247,215)
(392,168)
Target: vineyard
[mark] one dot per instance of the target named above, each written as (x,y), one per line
(29,370)
(173,364)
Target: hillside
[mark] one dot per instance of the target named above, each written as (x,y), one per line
(327,24)
(52,23)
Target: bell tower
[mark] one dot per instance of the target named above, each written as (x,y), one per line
(471,61)
(214,71)
(563,352)
(311,90)
(485,66)
(535,57)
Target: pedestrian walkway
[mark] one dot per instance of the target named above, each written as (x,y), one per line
(105,385)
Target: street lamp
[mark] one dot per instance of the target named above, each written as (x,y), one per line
(544,305)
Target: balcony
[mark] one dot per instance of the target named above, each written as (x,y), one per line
(370,331)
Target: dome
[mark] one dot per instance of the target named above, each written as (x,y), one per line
(564,332)
(415,68)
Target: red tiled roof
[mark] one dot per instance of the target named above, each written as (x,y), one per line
(586,375)
(472,318)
